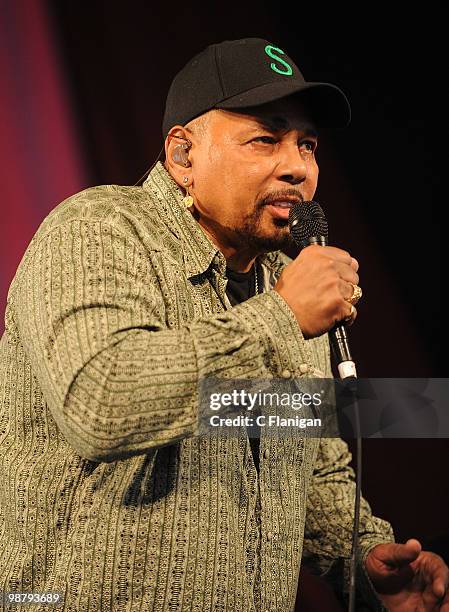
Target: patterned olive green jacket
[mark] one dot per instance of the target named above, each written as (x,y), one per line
(116,312)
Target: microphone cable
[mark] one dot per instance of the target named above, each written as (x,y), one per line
(351,385)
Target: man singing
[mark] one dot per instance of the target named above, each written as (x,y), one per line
(128,297)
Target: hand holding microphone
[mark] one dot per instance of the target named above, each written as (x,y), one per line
(321,284)
(317,286)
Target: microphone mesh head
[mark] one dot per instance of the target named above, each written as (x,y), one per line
(307,220)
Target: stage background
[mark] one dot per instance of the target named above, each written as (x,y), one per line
(83,87)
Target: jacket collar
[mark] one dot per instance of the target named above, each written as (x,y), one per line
(199,250)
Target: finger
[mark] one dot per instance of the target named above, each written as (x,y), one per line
(334,253)
(347,273)
(352,315)
(445,605)
(436,572)
(354,264)
(432,567)
(439,587)
(398,555)
(441,580)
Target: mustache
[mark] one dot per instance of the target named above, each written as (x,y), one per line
(278,195)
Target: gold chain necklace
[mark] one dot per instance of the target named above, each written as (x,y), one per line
(256,282)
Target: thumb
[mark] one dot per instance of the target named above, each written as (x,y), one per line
(398,555)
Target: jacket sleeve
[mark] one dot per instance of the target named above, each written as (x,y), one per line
(329,519)
(91,313)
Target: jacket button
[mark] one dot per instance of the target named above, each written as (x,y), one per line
(286,374)
(269,536)
(303,368)
(266,453)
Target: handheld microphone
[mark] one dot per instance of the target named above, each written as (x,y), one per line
(308,225)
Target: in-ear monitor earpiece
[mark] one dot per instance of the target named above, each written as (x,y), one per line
(180,153)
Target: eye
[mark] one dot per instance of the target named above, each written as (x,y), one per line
(309,145)
(265,139)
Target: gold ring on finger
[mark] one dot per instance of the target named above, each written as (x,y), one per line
(356,294)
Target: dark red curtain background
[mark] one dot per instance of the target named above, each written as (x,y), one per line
(41,161)
(82,91)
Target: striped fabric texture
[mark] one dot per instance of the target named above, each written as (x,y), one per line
(116,313)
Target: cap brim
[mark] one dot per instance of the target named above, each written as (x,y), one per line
(328,105)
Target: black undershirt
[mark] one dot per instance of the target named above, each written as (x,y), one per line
(240,287)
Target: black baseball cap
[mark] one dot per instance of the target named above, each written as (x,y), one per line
(240,73)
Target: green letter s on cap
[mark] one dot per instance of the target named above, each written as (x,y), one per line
(288,69)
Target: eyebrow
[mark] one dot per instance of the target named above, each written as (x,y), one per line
(279,124)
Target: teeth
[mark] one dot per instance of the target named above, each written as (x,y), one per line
(283,204)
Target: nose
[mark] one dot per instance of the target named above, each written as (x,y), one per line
(292,167)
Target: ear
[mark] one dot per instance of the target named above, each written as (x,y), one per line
(177,146)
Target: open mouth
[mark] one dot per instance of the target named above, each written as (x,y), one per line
(281,204)
(280,208)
